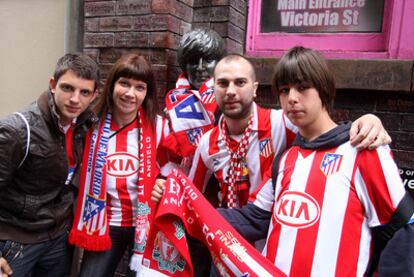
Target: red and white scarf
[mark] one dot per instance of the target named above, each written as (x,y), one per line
(69,151)
(90,229)
(191,114)
(235,161)
(184,207)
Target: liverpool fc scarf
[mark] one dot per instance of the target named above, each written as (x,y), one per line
(183,207)
(191,114)
(90,229)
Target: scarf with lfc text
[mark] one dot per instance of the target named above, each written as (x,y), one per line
(90,229)
(183,207)
(191,114)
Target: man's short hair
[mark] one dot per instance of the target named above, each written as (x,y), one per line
(304,65)
(235,57)
(198,43)
(80,64)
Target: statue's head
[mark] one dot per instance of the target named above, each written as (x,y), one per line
(198,53)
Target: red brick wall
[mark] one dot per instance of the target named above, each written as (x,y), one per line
(153,29)
(226,17)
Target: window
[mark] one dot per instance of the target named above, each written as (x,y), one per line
(338,28)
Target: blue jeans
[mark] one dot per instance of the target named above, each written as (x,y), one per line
(104,263)
(50,258)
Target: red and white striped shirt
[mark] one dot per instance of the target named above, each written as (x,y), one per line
(326,201)
(121,170)
(271,133)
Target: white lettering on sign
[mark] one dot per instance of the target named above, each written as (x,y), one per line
(296,209)
(326,18)
(318,13)
(291,4)
(409,172)
(350,17)
(408,183)
(327,4)
(407,177)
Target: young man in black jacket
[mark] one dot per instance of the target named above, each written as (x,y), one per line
(40,150)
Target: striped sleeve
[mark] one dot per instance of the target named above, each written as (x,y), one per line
(166,159)
(199,172)
(378,183)
(263,197)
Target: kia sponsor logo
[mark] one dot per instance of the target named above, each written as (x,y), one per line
(121,165)
(296,209)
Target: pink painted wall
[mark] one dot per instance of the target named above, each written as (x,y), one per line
(396,41)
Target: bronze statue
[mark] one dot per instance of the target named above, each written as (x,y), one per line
(198,53)
(192,110)
(191,106)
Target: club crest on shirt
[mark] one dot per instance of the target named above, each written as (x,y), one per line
(331,163)
(296,209)
(167,255)
(265,147)
(194,136)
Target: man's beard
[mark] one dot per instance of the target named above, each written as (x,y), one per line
(241,114)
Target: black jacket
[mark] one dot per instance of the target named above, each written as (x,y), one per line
(35,203)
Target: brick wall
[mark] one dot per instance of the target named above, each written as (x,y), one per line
(226,17)
(153,28)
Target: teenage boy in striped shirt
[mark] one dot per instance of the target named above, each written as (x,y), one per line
(328,195)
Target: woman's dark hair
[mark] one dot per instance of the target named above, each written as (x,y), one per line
(134,67)
(304,65)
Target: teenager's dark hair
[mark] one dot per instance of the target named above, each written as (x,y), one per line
(197,43)
(304,65)
(80,64)
(134,67)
